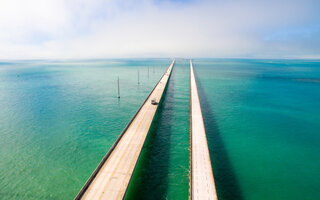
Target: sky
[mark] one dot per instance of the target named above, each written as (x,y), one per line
(82,29)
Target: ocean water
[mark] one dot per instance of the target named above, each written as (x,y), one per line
(59,118)
(163,167)
(262,119)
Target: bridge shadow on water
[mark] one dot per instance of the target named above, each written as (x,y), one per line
(225,180)
(150,177)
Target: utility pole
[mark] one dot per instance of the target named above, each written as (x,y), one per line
(118,88)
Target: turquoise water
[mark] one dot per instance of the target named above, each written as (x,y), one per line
(163,167)
(59,118)
(262,122)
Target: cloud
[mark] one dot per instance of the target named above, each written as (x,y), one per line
(145,28)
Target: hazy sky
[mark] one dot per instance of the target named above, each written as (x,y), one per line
(171,28)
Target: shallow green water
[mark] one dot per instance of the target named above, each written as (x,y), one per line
(58,119)
(262,122)
(163,167)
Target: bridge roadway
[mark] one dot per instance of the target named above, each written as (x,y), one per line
(201,179)
(111,178)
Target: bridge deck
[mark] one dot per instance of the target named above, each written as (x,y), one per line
(202,181)
(111,178)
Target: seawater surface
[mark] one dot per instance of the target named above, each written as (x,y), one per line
(262,119)
(59,118)
(163,167)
